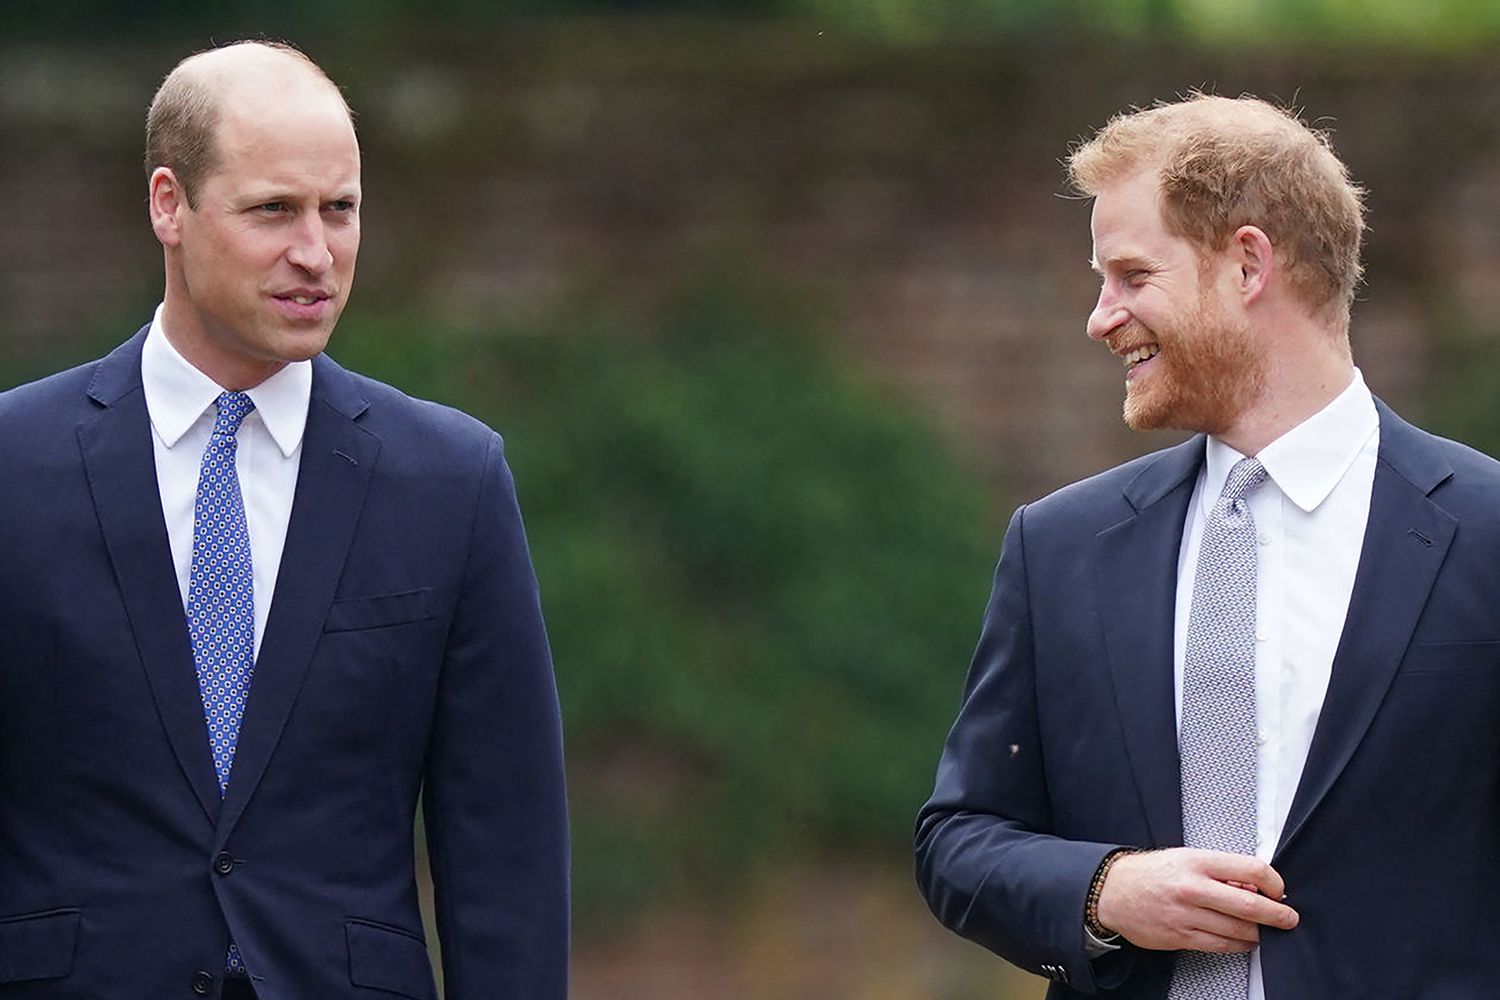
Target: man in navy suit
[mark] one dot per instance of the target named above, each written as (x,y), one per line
(254,604)
(1230,728)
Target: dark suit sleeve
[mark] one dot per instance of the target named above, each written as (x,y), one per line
(494,798)
(987,860)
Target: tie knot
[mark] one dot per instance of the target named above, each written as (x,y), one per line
(233,408)
(1246,475)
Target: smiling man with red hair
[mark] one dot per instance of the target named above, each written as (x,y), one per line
(1228,732)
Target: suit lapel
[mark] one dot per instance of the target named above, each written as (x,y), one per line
(1406,540)
(337,459)
(1136,570)
(121,467)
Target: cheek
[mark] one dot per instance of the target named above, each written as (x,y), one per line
(345,245)
(232,256)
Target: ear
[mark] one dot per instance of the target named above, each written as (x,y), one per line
(166,202)
(1250,249)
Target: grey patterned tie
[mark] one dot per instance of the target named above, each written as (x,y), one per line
(1217,734)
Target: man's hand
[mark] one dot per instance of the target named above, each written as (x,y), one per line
(1184,898)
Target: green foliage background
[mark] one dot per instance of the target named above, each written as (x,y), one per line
(1441,24)
(762,572)
(761,578)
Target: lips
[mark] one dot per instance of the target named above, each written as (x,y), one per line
(303,296)
(303,304)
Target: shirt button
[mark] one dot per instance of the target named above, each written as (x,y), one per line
(1263,538)
(1260,636)
(1262,737)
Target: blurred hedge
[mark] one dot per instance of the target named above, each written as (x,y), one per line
(1399,24)
(762,581)
(1465,387)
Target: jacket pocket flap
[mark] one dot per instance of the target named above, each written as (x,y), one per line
(384,958)
(38,945)
(378,612)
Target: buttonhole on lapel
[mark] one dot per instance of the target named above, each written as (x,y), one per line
(351,461)
(1413,532)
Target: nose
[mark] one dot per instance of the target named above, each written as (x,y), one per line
(309,250)
(1108,315)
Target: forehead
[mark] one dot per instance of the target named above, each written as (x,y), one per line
(285,133)
(1127,221)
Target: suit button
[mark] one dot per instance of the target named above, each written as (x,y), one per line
(203,983)
(224,863)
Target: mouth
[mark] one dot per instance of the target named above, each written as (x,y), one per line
(303,296)
(1137,356)
(303,304)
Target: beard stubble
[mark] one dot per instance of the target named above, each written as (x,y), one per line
(1207,374)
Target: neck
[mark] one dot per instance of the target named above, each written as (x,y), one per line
(189,337)
(1296,386)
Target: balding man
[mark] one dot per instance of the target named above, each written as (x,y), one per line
(254,604)
(1229,731)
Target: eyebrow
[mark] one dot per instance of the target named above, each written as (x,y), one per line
(252,198)
(1129,261)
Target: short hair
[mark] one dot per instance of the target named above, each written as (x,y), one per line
(1228,162)
(183,119)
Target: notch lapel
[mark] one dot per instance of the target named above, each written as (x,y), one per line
(338,457)
(1406,540)
(121,466)
(1136,570)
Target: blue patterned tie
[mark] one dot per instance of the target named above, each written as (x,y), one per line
(221,595)
(1217,735)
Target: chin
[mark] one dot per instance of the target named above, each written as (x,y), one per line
(1145,414)
(302,347)
(307,351)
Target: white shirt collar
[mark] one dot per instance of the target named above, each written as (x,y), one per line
(1309,460)
(177,394)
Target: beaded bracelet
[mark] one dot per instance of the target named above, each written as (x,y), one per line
(1091,905)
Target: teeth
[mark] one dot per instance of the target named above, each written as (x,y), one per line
(1140,354)
(303,300)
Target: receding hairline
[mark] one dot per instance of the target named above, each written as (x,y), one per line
(187,112)
(218,71)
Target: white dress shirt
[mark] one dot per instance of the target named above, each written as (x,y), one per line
(1310,518)
(180,401)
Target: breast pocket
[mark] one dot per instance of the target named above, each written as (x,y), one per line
(1452,657)
(354,614)
(374,652)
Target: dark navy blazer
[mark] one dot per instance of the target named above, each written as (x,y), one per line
(1065,745)
(404,653)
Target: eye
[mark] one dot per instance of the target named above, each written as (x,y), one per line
(1136,277)
(271,207)
(342,206)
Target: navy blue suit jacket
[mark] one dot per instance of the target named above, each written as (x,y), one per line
(404,653)
(1065,745)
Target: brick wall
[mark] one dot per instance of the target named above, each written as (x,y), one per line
(915,191)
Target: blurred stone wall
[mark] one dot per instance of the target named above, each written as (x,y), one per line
(915,191)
